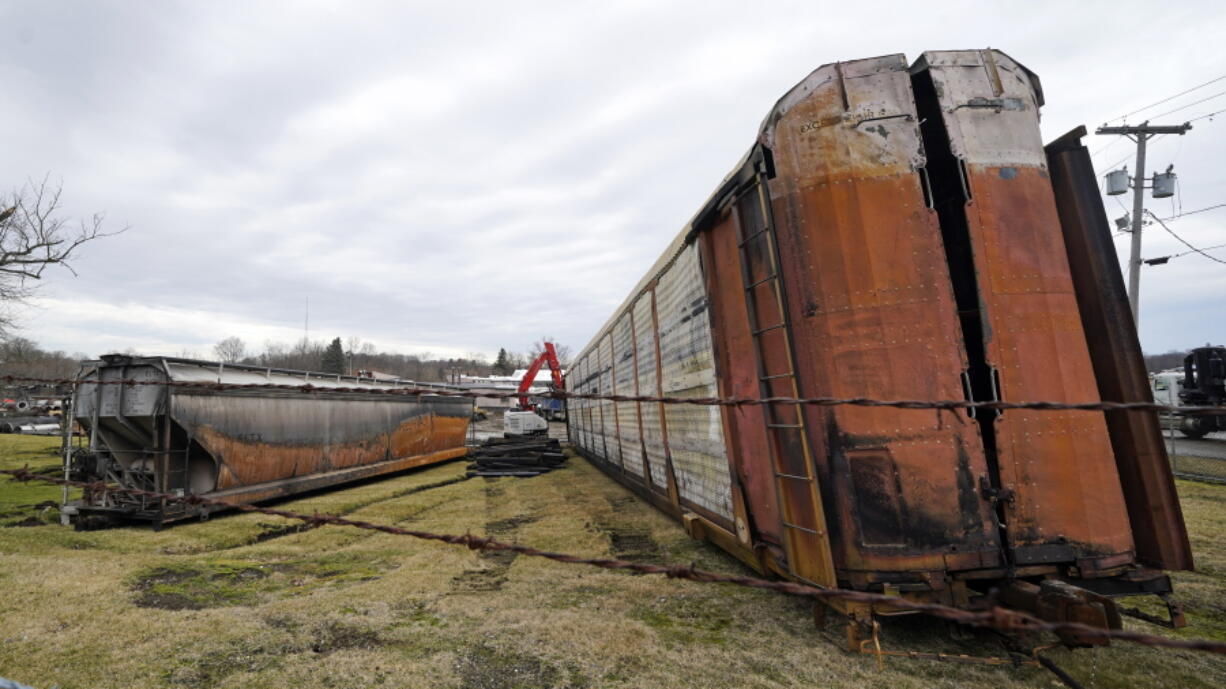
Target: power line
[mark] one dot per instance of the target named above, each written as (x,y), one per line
(1198,210)
(1104,148)
(1184,241)
(1169,98)
(1163,259)
(1216,112)
(1128,156)
(1208,248)
(1219,94)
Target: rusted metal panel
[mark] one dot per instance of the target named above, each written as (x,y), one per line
(256,439)
(1067,501)
(629,440)
(1119,365)
(649,412)
(873,315)
(732,341)
(695,433)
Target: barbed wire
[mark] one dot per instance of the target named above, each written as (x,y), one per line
(996,617)
(949,405)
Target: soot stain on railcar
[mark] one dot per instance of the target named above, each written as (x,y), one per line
(895,523)
(968,494)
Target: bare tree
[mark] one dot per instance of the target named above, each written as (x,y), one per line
(230,350)
(562,350)
(34,236)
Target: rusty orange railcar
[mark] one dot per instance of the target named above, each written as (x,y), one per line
(895,232)
(244,445)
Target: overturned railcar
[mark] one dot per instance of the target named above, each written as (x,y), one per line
(244,445)
(897,232)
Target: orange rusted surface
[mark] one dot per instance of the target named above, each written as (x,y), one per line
(1067,500)
(249,462)
(276,489)
(1059,464)
(873,315)
(738,376)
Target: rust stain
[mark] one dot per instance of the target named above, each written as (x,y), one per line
(1060,464)
(873,314)
(746,424)
(250,462)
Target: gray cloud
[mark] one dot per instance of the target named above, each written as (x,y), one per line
(465,179)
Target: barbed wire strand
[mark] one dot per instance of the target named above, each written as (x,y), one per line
(949,405)
(996,617)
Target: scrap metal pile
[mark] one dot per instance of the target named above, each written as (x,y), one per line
(522,457)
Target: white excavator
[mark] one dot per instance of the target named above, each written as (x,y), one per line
(525,420)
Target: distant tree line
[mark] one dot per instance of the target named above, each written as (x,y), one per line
(23,357)
(352,355)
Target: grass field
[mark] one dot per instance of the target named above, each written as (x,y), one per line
(253,601)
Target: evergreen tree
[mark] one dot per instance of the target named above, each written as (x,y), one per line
(502,365)
(334,357)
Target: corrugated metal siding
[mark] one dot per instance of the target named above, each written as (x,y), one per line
(609,431)
(653,437)
(585,407)
(695,433)
(624,384)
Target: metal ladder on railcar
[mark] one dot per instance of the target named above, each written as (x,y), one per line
(806,539)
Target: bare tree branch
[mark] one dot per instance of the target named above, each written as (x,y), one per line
(35,236)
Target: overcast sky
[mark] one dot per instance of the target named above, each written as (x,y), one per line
(456,180)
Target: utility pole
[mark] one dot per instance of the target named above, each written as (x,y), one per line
(1140,134)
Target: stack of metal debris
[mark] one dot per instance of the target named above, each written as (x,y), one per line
(515,457)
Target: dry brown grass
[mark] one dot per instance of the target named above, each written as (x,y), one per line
(335,607)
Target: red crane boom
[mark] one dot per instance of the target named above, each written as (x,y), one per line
(550,356)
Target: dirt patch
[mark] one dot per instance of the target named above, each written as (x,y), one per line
(28,521)
(220,583)
(196,588)
(622,502)
(484,667)
(509,525)
(211,667)
(628,542)
(335,635)
(491,575)
(633,544)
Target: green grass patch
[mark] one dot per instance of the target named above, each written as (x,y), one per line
(30,503)
(199,584)
(686,618)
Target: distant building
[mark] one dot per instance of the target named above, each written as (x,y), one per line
(504,384)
